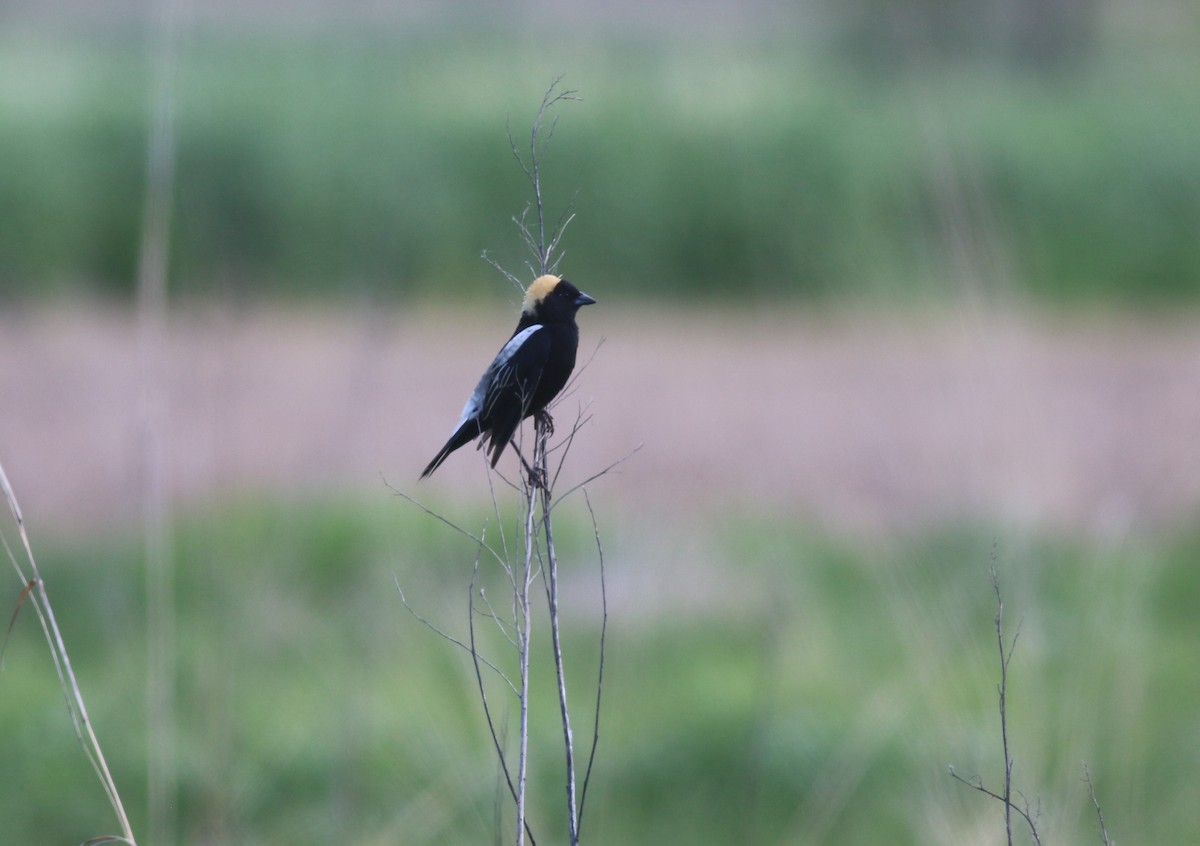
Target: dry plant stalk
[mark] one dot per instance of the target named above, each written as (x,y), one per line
(520,567)
(537,555)
(158,543)
(1087,778)
(35,590)
(1030,815)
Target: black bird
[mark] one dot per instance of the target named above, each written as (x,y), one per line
(529,372)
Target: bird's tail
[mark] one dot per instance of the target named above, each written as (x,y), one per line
(462,435)
(437,461)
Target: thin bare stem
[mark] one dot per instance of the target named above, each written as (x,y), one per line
(567,442)
(587,775)
(496,514)
(521,599)
(1030,817)
(1005,657)
(1087,777)
(551,579)
(976,782)
(517,283)
(162,769)
(599,474)
(516,791)
(446,636)
(540,135)
(62,664)
(439,517)
(503,626)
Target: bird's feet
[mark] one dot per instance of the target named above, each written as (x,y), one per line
(537,479)
(545,422)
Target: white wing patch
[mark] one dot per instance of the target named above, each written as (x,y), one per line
(475,403)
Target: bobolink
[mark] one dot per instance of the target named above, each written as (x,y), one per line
(529,372)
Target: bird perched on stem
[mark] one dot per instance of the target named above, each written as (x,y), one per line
(526,374)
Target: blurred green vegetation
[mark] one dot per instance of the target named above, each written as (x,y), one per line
(780,687)
(347,163)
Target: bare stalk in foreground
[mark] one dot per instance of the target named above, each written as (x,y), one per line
(35,589)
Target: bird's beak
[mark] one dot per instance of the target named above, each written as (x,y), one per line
(583,299)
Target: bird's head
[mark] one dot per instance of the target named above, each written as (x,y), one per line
(550,299)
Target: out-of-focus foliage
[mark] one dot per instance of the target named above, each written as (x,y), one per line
(378,164)
(776,687)
(1042,35)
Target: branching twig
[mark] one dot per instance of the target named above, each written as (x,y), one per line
(517,791)
(501,625)
(535,238)
(1030,816)
(534,235)
(976,782)
(464,532)
(446,636)
(581,420)
(1005,658)
(511,277)
(599,474)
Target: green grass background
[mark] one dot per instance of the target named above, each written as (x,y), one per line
(378,166)
(813,692)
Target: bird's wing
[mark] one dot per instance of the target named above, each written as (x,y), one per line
(518,364)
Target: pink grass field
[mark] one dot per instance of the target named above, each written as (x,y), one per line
(851,422)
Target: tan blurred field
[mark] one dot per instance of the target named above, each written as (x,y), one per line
(850,422)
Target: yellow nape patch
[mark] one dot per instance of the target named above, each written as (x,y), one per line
(538,290)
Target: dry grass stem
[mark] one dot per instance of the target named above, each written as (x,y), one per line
(1030,815)
(550,581)
(1087,778)
(35,587)
(587,775)
(152,317)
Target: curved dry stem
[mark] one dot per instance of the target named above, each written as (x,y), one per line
(516,282)
(600,474)
(443,519)
(1030,816)
(587,775)
(1087,778)
(564,445)
(517,791)
(36,587)
(449,638)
